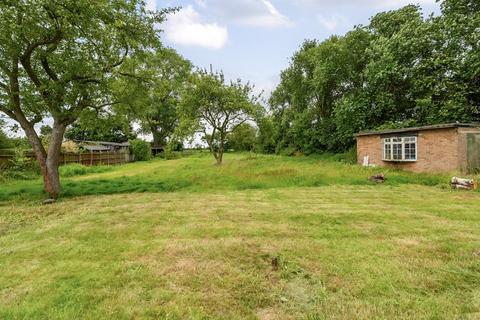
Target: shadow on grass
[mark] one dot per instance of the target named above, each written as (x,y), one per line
(33,190)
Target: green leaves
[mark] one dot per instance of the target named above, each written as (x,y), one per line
(400,69)
(215,108)
(149,87)
(66,51)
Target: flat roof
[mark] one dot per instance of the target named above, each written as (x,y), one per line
(411,129)
(104,143)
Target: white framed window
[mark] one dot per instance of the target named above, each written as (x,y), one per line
(400,148)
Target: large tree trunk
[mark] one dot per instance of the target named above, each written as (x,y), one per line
(219,158)
(52,181)
(48,161)
(158,138)
(37,147)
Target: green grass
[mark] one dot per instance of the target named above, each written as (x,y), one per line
(198,174)
(201,244)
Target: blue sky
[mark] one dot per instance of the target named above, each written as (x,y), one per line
(254,39)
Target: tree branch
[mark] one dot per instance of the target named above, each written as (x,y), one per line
(4,86)
(49,71)
(8,112)
(26,58)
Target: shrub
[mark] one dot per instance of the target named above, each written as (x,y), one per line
(21,167)
(348,157)
(141,150)
(242,138)
(290,152)
(175,146)
(70,146)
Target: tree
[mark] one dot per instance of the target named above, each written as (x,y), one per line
(402,69)
(265,142)
(319,75)
(153,95)
(215,109)
(242,138)
(100,126)
(56,59)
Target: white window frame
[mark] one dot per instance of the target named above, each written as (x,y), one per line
(401,141)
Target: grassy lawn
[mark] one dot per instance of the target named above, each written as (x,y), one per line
(258,238)
(198,174)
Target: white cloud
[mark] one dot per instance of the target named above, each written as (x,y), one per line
(251,13)
(151,5)
(333,22)
(266,16)
(201,3)
(187,28)
(365,3)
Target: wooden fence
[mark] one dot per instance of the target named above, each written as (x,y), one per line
(87,159)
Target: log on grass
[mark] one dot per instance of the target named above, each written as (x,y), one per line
(379,178)
(460,183)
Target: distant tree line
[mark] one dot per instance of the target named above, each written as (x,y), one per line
(400,70)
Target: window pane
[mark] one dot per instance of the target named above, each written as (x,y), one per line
(387,152)
(410,151)
(397,151)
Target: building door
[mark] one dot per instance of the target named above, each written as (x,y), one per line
(473,152)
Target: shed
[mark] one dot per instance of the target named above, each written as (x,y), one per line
(103,146)
(434,148)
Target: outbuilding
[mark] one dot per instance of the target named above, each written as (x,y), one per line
(435,148)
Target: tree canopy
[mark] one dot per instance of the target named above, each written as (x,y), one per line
(402,69)
(214,108)
(101,126)
(57,58)
(151,94)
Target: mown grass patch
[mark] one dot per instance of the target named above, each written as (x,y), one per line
(331,252)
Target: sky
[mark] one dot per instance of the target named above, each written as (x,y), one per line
(254,39)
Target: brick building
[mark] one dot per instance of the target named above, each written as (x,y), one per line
(436,148)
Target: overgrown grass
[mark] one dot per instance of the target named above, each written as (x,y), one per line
(197,173)
(76,169)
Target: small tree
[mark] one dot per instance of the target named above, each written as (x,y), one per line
(214,109)
(141,150)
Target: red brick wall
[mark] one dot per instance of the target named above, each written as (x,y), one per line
(438,151)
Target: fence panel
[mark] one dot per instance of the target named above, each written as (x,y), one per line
(86,159)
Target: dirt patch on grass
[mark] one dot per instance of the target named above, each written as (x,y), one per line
(272,314)
(408,242)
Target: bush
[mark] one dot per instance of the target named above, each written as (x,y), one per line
(21,167)
(348,157)
(289,152)
(175,146)
(141,150)
(242,138)
(70,146)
